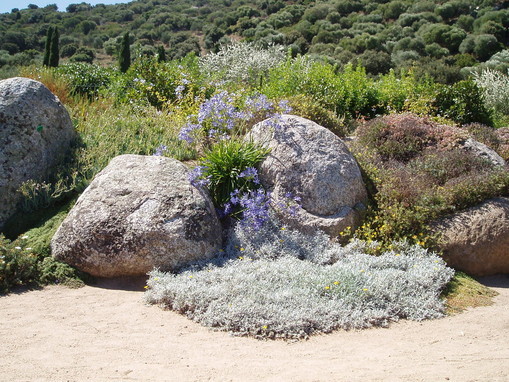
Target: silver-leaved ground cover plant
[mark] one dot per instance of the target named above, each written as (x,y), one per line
(274,282)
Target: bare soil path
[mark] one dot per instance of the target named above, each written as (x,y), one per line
(106,333)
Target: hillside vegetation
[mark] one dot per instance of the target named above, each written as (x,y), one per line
(440,38)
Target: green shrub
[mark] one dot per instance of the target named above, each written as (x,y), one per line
(306,107)
(404,92)
(52,271)
(18,265)
(348,93)
(223,164)
(86,79)
(463,103)
(27,260)
(149,82)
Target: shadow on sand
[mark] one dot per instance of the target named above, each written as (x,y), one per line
(132,284)
(497,281)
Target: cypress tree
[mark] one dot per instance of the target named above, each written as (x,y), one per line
(161,54)
(124,58)
(54,54)
(49,35)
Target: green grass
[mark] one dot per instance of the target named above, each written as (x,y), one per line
(464,292)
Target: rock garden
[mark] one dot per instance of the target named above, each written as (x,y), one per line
(332,201)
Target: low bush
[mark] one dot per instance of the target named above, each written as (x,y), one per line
(463,103)
(416,171)
(306,107)
(21,265)
(86,79)
(349,93)
(18,265)
(241,62)
(296,286)
(495,89)
(225,169)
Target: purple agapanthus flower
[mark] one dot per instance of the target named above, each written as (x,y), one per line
(259,102)
(218,111)
(197,176)
(284,107)
(185,132)
(255,211)
(250,172)
(160,150)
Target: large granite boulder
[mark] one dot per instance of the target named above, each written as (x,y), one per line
(35,131)
(476,240)
(312,163)
(140,212)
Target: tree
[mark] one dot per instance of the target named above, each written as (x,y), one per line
(124,58)
(161,54)
(54,54)
(47,46)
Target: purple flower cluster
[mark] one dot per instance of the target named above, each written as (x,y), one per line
(160,150)
(186,131)
(258,103)
(255,207)
(197,176)
(218,115)
(250,173)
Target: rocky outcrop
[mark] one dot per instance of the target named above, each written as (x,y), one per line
(480,150)
(140,212)
(476,240)
(312,163)
(35,131)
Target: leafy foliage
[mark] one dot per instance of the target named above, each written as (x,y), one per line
(225,162)
(463,103)
(17,265)
(495,89)
(21,265)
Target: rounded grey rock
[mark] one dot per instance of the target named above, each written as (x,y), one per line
(139,213)
(35,131)
(310,162)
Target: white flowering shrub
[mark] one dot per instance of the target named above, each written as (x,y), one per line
(244,62)
(495,88)
(278,283)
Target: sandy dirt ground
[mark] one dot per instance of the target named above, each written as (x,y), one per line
(106,333)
